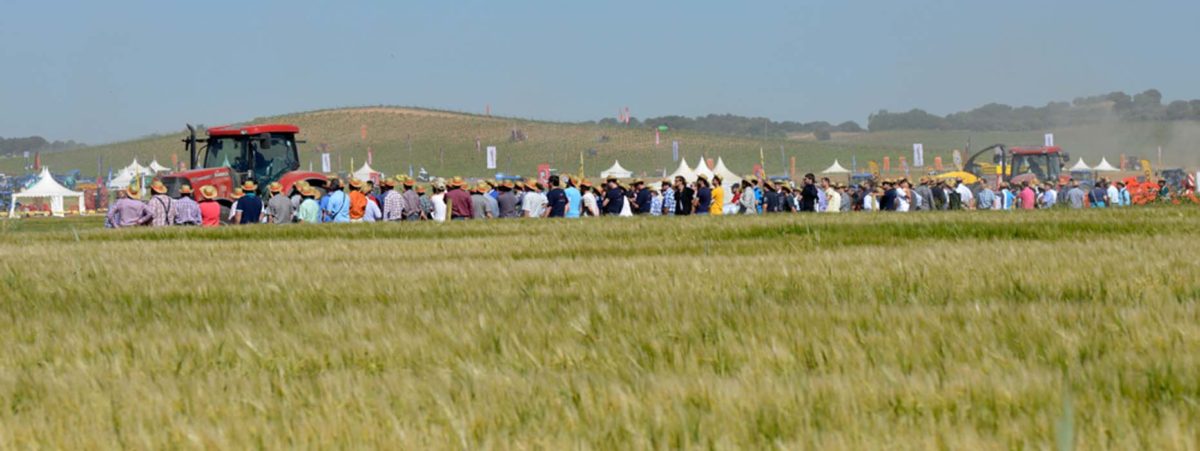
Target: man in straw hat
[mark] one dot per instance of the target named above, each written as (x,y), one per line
(358,200)
(534,204)
(309,211)
(336,206)
(372,212)
(248,209)
(187,211)
(412,200)
(506,202)
(458,200)
(128,211)
(574,199)
(393,202)
(210,209)
(279,207)
(161,206)
(479,207)
(590,206)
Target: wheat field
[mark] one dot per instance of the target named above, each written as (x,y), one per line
(979,330)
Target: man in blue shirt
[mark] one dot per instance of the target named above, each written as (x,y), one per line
(574,199)
(556,198)
(248,208)
(337,208)
(641,197)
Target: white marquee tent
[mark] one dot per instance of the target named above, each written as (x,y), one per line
(683,171)
(46,188)
(366,172)
(1104,166)
(154,166)
(836,168)
(128,174)
(1080,166)
(702,169)
(728,178)
(616,171)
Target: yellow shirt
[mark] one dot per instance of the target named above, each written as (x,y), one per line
(718,201)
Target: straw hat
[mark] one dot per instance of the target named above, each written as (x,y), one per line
(132,192)
(457,182)
(157,187)
(531,184)
(185,189)
(309,192)
(390,183)
(249,185)
(585,184)
(237,193)
(356,183)
(208,192)
(483,188)
(409,182)
(421,189)
(507,184)
(275,187)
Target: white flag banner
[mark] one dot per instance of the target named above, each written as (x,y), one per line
(1049,139)
(325,163)
(491,157)
(918,155)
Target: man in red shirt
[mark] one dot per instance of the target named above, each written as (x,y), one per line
(458,200)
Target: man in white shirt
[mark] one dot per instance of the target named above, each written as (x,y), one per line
(1114,195)
(964,194)
(1049,196)
(534,203)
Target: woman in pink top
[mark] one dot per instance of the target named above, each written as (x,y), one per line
(1027,197)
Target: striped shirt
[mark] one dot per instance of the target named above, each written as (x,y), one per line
(187,211)
(393,206)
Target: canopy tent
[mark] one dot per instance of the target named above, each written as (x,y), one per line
(683,171)
(616,171)
(702,169)
(155,167)
(728,178)
(46,187)
(366,172)
(1104,166)
(1080,166)
(128,174)
(836,168)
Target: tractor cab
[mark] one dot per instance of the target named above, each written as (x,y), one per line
(231,155)
(261,153)
(1017,164)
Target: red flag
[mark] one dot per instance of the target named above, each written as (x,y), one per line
(370,156)
(656,137)
(887,164)
(37,161)
(363,132)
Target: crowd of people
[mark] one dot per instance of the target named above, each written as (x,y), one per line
(402,199)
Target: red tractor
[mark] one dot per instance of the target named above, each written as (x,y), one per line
(234,154)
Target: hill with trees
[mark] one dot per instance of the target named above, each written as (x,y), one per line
(1145,106)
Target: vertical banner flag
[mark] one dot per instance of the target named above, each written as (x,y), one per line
(1049,139)
(758,172)
(918,155)
(853,163)
(491,157)
(326,163)
(543,171)
(363,132)
(937,163)
(958,162)
(370,155)
(887,164)
(674,150)
(656,137)
(478,144)
(904,165)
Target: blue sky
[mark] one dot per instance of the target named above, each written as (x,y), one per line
(110,70)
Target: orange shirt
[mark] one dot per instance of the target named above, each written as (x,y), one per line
(358,205)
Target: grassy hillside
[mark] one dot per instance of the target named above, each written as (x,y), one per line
(863,331)
(444,143)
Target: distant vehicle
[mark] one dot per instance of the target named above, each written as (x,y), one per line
(232,155)
(1014,165)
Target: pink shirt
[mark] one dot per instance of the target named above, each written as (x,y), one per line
(1027,201)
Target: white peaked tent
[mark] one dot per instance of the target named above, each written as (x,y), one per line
(728,178)
(46,188)
(616,171)
(1104,166)
(154,166)
(365,172)
(702,169)
(683,171)
(128,174)
(836,168)
(1080,166)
